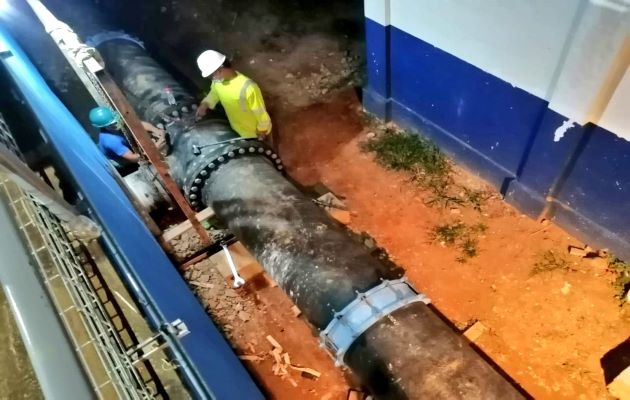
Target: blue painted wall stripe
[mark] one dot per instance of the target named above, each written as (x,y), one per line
(506,135)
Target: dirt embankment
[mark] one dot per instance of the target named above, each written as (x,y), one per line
(547,323)
(547,330)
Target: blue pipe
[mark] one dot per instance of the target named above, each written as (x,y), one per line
(208,364)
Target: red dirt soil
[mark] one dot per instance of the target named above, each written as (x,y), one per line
(248,315)
(548,340)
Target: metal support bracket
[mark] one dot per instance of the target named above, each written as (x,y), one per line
(369,307)
(147,347)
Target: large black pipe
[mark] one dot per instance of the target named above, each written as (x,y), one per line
(406,354)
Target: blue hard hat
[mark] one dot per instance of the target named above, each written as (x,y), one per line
(101,117)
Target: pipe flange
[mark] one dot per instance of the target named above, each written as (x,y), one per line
(194,183)
(367,308)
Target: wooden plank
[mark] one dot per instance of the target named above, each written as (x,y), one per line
(274,343)
(177,230)
(246,265)
(577,252)
(474,332)
(296,311)
(355,395)
(620,386)
(202,284)
(270,280)
(340,215)
(248,357)
(150,150)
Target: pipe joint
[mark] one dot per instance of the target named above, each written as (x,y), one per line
(365,310)
(210,162)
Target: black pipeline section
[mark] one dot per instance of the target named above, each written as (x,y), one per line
(408,354)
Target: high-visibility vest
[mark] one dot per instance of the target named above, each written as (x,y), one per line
(243,103)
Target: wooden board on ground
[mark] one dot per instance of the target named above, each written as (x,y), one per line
(246,264)
(355,395)
(177,230)
(620,386)
(335,207)
(474,332)
(340,215)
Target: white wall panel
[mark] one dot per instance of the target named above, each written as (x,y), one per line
(591,58)
(558,50)
(519,41)
(616,117)
(378,10)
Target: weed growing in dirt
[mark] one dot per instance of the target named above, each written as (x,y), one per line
(468,248)
(404,151)
(428,166)
(475,198)
(449,233)
(549,262)
(480,227)
(461,235)
(441,193)
(622,282)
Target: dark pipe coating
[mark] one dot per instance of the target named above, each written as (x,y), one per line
(408,354)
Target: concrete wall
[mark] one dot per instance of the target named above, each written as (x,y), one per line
(534,95)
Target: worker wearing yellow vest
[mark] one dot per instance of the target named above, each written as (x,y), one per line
(240,96)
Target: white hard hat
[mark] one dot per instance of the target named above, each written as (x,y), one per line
(209,61)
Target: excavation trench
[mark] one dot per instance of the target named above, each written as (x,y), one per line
(406,352)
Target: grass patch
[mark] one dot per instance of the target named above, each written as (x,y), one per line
(468,248)
(459,235)
(480,227)
(621,284)
(549,262)
(402,151)
(449,233)
(428,166)
(475,198)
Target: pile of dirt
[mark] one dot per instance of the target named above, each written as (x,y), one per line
(321,83)
(248,316)
(223,303)
(186,244)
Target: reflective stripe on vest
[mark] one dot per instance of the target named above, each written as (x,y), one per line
(243,96)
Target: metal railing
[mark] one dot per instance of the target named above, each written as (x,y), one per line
(72,290)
